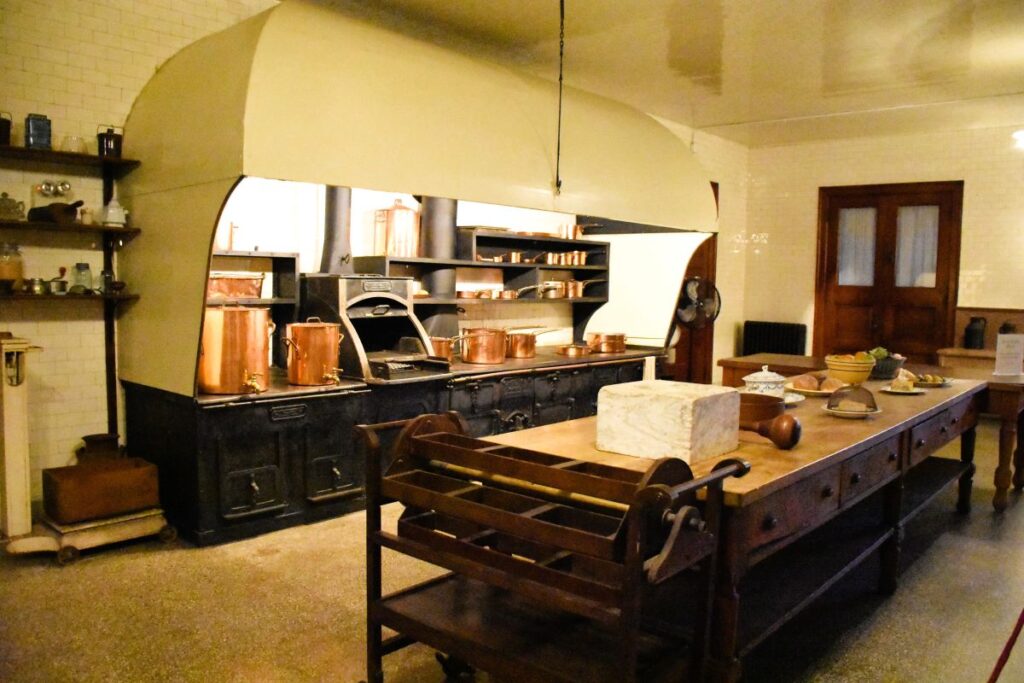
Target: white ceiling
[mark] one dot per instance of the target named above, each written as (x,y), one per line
(761,72)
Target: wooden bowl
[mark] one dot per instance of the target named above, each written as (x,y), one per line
(758,407)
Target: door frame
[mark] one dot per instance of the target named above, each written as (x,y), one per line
(828,194)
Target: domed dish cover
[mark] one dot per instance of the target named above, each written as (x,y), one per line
(765,382)
(843,399)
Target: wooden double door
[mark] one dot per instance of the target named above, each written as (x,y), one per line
(888,265)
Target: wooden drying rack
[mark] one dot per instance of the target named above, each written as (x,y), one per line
(560,569)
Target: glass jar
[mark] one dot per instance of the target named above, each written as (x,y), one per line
(11,267)
(82,277)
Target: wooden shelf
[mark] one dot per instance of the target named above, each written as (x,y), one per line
(377,264)
(45,226)
(256,254)
(518,237)
(117,165)
(71,297)
(276,301)
(526,300)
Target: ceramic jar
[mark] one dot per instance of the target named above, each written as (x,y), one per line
(765,382)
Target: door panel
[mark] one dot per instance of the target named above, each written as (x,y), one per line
(888,261)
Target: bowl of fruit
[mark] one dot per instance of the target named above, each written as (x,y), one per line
(852,368)
(886,364)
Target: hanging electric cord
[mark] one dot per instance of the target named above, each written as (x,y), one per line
(561,58)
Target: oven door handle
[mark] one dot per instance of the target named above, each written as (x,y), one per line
(381,309)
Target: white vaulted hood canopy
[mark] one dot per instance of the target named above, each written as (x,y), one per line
(307,93)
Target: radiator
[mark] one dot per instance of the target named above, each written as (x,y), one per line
(765,337)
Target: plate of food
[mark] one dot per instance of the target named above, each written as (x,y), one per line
(912,391)
(851,414)
(792,398)
(932,381)
(814,384)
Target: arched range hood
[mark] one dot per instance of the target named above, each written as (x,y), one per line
(306,93)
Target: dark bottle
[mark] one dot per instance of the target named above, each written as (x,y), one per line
(1007,328)
(974,334)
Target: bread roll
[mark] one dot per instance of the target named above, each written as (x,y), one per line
(831,384)
(806,382)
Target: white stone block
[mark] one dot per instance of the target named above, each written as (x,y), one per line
(657,419)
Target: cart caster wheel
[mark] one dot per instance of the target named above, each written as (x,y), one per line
(67,555)
(168,534)
(454,668)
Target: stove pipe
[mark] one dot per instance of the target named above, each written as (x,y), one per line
(337,252)
(437,240)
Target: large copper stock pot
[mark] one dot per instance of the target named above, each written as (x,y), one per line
(313,352)
(234,352)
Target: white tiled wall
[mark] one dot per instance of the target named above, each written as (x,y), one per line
(783,201)
(81,63)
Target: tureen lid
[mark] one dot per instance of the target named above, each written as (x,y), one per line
(765,375)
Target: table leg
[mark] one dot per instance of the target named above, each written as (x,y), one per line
(967,441)
(892,513)
(1003,478)
(1018,458)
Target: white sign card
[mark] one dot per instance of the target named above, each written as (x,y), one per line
(1009,354)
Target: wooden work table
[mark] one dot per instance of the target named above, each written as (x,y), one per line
(843,493)
(1004,398)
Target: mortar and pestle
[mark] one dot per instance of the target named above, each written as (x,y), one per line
(766,415)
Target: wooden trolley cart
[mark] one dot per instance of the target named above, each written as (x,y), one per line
(560,570)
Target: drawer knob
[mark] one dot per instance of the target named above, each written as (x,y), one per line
(944,429)
(855,478)
(919,443)
(253,486)
(827,492)
(955,420)
(770,522)
(336,472)
(892,457)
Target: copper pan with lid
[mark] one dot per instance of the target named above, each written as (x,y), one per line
(313,352)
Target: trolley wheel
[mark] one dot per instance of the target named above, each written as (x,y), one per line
(66,555)
(168,534)
(454,668)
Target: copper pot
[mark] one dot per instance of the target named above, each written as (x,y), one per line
(574,288)
(444,347)
(513,293)
(573,350)
(233,354)
(552,289)
(523,344)
(604,342)
(484,346)
(313,352)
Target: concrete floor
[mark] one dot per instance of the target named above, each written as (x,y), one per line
(288,606)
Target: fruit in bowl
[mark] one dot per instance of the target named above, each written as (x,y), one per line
(887,365)
(850,368)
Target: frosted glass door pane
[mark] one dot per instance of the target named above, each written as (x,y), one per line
(917,240)
(857,247)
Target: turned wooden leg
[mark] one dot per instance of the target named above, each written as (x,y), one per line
(1003,478)
(967,441)
(1018,458)
(892,512)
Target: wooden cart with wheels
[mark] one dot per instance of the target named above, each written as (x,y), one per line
(560,570)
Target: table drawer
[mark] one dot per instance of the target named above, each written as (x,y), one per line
(928,437)
(963,416)
(786,512)
(867,470)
